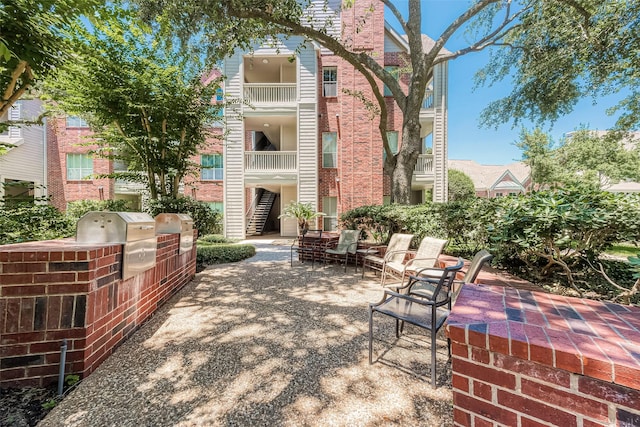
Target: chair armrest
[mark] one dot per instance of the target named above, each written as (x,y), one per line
(388,294)
(387,254)
(412,260)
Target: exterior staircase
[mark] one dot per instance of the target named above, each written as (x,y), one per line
(258,220)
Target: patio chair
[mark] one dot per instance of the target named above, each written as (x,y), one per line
(306,246)
(425,257)
(347,245)
(432,274)
(395,251)
(429,313)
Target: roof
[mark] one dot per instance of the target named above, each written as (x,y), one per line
(491,176)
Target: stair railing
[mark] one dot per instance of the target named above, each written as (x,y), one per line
(252,208)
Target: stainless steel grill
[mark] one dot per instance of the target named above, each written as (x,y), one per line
(169,223)
(135,230)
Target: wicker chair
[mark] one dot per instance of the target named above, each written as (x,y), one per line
(305,246)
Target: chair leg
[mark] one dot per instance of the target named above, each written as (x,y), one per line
(370,335)
(397,328)
(433,359)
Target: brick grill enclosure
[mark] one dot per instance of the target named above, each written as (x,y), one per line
(522,358)
(59,289)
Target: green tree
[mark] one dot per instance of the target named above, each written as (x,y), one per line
(583,157)
(538,154)
(598,160)
(562,51)
(233,24)
(32,43)
(460,186)
(144,97)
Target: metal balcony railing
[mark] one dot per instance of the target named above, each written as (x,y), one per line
(270,93)
(270,161)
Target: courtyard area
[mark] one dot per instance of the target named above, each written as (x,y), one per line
(261,343)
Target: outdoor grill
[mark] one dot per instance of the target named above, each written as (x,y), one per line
(135,230)
(169,223)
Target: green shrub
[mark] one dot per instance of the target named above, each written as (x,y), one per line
(464,223)
(558,229)
(223,253)
(78,208)
(213,239)
(29,222)
(205,220)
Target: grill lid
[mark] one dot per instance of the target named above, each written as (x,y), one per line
(114,227)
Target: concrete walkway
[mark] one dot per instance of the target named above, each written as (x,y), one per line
(260,343)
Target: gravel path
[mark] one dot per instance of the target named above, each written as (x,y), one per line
(260,343)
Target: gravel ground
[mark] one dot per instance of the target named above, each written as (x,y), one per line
(260,343)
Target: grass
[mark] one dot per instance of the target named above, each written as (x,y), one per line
(624,250)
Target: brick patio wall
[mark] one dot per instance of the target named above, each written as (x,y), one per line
(58,289)
(523,358)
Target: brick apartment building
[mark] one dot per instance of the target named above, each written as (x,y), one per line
(297,137)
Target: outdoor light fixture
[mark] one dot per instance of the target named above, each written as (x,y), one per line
(265,61)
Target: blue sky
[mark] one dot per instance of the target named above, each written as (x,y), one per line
(467,139)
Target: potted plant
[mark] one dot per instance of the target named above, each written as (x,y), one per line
(303,213)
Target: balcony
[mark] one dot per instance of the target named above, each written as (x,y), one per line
(270,93)
(270,161)
(270,167)
(424,165)
(423,176)
(427,102)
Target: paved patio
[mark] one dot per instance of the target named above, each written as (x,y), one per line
(261,343)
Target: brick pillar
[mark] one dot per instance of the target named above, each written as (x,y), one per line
(523,358)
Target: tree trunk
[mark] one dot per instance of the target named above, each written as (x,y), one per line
(407,157)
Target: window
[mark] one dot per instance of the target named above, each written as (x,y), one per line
(79,166)
(393,69)
(216,206)
(392,137)
(498,194)
(329,149)
(212,167)
(330,208)
(15,113)
(329,81)
(76,122)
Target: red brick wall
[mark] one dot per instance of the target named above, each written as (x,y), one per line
(359,179)
(533,359)
(206,191)
(61,141)
(55,290)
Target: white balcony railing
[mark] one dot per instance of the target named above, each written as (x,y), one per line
(427,102)
(270,93)
(424,164)
(270,161)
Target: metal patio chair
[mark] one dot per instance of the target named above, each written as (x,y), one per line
(306,246)
(347,245)
(426,256)
(395,251)
(425,311)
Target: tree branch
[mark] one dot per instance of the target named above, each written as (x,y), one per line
(392,7)
(491,39)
